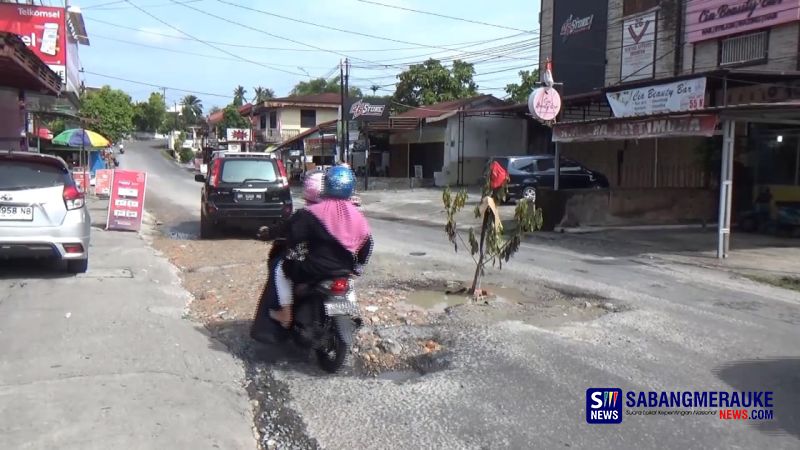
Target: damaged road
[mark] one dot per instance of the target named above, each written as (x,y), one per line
(512,373)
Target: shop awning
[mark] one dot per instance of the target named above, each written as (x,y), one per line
(20,68)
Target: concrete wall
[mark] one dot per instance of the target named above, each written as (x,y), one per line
(638,207)
(483,137)
(289,118)
(545,32)
(12,121)
(782,52)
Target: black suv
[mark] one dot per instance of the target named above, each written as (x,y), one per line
(244,190)
(529,172)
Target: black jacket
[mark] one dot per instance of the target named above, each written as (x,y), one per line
(313,252)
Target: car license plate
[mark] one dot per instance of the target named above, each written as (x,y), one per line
(16,213)
(249,196)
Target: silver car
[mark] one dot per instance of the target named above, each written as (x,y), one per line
(43,214)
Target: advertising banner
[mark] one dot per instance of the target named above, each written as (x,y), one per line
(42,29)
(81,179)
(680,96)
(237,134)
(711,19)
(126,206)
(639,46)
(700,125)
(361,110)
(579,45)
(102,182)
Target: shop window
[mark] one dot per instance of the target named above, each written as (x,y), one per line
(308,118)
(636,6)
(744,49)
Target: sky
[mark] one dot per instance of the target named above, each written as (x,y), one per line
(184,48)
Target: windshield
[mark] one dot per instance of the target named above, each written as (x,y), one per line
(252,170)
(18,175)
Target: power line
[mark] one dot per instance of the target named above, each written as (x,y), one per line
(478,22)
(139,44)
(159,86)
(105,6)
(328,27)
(207,43)
(284,49)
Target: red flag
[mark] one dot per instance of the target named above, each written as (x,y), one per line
(497,175)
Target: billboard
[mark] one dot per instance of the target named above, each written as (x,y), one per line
(237,135)
(126,205)
(711,19)
(362,110)
(638,46)
(42,29)
(579,44)
(679,96)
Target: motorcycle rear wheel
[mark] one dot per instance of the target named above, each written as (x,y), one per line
(333,354)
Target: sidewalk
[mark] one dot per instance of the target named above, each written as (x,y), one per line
(106,360)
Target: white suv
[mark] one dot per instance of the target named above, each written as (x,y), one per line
(43,214)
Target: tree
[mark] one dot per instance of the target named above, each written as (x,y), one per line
(214,109)
(431,82)
(231,118)
(192,109)
(150,115)
(322,86)
(494,245)
(262,94)
(238,95)
(519,92)
(108,112)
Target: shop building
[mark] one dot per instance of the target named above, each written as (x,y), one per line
(689,106)
(22,74)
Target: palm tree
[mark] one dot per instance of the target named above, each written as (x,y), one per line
(238,95)
(375,88)
(192,108)
(262,94)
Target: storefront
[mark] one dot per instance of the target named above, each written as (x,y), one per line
(22,73)
(723,134)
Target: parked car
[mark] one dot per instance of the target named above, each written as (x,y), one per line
(527,173)
(245,190)
(43,214)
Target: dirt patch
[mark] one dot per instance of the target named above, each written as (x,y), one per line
(785,282)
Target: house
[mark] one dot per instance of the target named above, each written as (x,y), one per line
(454,140)
(280,119)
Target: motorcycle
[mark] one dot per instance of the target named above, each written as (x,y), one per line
(325,315)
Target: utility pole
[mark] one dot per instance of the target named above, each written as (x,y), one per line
(344,113)
(341,112)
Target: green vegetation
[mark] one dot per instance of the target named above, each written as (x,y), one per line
(519,92)
(785,282)
(108,112)
(431,82)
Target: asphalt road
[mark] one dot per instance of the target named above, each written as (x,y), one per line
(106,360)
(513,384)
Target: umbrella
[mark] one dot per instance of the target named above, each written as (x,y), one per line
(79,137)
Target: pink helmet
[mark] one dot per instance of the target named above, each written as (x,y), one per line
(312,188)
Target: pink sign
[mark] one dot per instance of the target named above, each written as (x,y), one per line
(710,19)
(545,103)
(102,182)
(126,205)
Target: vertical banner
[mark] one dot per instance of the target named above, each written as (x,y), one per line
(81,179)
(126,206)
(102,183)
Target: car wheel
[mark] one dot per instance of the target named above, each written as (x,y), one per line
(529,193)
(207,230)
(78,265)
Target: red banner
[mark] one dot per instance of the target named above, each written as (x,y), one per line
(81,179)
(659,127)
(42,28)
(102,182)
(126,206)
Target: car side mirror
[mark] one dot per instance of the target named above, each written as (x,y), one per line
(200,178)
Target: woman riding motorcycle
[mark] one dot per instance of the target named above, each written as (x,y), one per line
(330,235)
